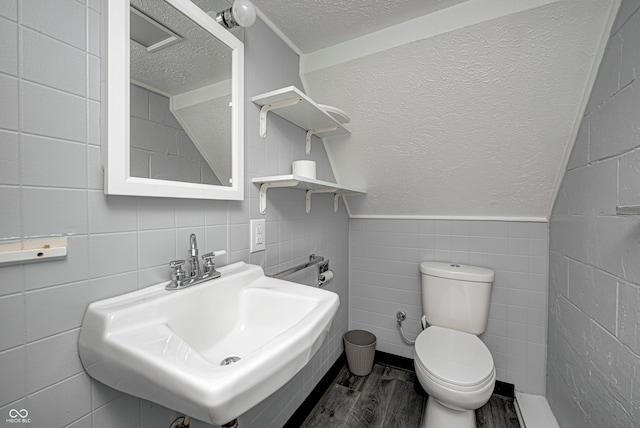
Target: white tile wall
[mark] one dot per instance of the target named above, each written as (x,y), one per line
(53,63)
(46,353)
(14,366)
(69,25)
(9,92)
(70,172)
(9,144)
(50,112)
(594,286)
(9,34)
(51,183)
(385,277)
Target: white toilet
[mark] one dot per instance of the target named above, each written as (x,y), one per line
(452,364)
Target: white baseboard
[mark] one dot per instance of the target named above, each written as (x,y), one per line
(534,411)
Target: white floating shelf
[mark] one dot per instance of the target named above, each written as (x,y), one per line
(303,183)
(293,105)
(33,250)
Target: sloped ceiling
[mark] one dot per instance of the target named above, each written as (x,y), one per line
(468,110)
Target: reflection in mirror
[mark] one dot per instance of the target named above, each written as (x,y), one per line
(180,97)
(160,147)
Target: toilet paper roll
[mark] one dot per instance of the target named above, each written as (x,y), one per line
(325,277)
(304,168)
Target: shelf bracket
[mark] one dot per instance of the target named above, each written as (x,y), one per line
(312,132)
(311,192)
(267,107)
(266,186)
(343,194)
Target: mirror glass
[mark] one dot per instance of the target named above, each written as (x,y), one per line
(184,106)
(180,98)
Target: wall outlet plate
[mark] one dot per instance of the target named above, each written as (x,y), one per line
(258,235)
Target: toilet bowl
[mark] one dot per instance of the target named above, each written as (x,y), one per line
(457,371)
(452,364)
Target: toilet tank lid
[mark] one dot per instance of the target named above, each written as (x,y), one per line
(457,271)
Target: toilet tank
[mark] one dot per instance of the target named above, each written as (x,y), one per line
(456,296)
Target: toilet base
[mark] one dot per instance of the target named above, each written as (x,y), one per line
(436,415)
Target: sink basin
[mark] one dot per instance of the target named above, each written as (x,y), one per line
(211,351)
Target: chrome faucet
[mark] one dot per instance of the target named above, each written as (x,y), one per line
(193,256)
(197,274)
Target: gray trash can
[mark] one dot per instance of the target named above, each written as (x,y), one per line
(360,347)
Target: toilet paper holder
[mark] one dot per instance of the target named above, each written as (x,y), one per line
(325,275)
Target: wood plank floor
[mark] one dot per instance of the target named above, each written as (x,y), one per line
(386,398)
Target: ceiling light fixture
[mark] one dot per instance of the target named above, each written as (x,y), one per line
(242,13)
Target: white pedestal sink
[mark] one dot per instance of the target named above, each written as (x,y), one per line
(171,347)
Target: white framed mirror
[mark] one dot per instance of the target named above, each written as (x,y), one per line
(172,102)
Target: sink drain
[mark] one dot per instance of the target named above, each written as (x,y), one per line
(229,360)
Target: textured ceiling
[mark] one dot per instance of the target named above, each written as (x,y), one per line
(316,24)
(469,111)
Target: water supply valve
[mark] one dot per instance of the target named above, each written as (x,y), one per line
(401,316)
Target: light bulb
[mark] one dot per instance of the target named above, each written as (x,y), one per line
(244,12)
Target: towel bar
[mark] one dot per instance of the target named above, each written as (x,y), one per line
(313,259)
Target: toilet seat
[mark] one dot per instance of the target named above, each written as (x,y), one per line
(457,360)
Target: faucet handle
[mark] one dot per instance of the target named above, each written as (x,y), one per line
(209,266)
(176,264)
(178,273)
